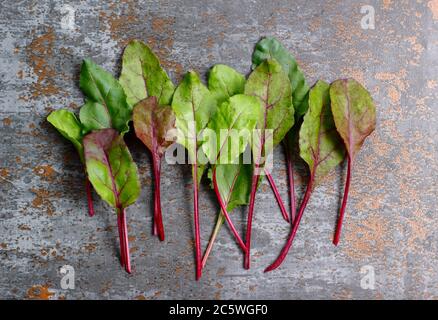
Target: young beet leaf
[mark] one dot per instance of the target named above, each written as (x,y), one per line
(321,148)
(269,48)
(142,75)
(70,128)
(234,184)
(193,105)
(226,137)
(354,113)
(271,84)
(224,82)
(106,105)
(152,123)
(114,176)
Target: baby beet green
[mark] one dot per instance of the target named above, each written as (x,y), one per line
(152,124)
(142,77)
(231,127)
(271,84)
(354,114)
(268,48)
(321,148)
(114,176)
(193,105)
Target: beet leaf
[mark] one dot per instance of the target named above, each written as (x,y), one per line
(193,105)
(114,176)
(152,124)
(354,114)
(268,48)
(231,127)
(106,105)
(142,75)
(271,84)
(321,148)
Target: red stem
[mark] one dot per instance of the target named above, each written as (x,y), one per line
(277,196)
(196,218)
(120,227)
(225,213)
(124,242)
(344,203)
(255,179)
(158,218)
(220,221)
(290,173)
(89,197)
(286,248)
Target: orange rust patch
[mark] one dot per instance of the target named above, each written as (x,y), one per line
(90,247)
(140,297)
(39,292)
(4,172)
(368,238)
(393,94)
(7,121)
(38,51)
(433,6)
(42,200)
(386,4)
(24,227)
(3,245)
(431,84)
(45,171)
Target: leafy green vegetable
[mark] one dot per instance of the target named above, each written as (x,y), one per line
(114,176)
(271,84)
(231,126)
(193,105)
(320,146)
(69,127)
(354,114)
(142,75)
(270,47)
(106,101)
(152,124)
(225,82)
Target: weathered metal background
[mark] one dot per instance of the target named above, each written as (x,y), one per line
(391,222)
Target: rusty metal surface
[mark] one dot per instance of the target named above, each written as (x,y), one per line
(391,220)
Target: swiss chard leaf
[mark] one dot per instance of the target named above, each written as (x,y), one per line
(320,146)
(271,48)
(106,95)
(271,84)
(69,127)
(111,169)
(142,75)
(354,114)
(193,105)
(225,82)
(152,124)
(232,126)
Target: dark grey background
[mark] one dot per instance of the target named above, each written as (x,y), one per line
(391,220)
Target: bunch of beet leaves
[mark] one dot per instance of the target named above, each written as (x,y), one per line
(274,105)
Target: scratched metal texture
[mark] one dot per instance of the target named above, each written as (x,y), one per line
(391,222)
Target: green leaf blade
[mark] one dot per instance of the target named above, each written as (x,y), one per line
(68,126)
(321,146)
(231,127)
(100,87)
(225,82)
(354,113)
(271,84)
(142,75)
(111,169)
(271,48)
(94,116)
